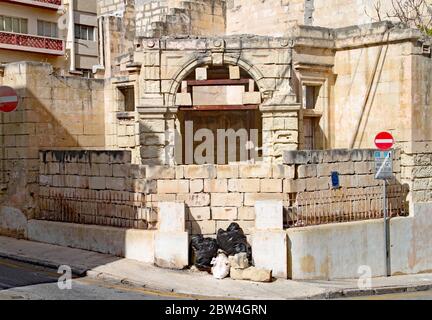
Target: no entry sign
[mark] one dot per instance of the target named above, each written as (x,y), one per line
(384,141)
(8,99)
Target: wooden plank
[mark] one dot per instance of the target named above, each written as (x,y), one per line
(217,82)
(220,107)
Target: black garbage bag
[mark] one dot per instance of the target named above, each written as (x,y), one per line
(205,249)
(234,241)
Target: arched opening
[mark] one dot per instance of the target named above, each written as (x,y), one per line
(219,117)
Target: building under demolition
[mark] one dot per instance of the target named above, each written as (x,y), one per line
(213,107)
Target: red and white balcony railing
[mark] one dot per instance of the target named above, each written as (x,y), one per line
(49,4)
(31,43)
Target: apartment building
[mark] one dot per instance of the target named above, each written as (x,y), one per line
(63,33)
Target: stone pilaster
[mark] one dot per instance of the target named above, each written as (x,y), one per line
(280,129)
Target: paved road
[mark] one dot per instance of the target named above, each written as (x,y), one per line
(418,295)
(25,281)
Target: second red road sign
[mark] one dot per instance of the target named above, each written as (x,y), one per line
(384,141)
(8,99)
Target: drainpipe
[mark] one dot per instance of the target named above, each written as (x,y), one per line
(101,42)
(71,36)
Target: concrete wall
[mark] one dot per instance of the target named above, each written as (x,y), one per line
(128,243)
(337,251)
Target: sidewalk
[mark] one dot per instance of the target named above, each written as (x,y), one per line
(198,284)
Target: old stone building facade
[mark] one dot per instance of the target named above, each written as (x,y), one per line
(294,75)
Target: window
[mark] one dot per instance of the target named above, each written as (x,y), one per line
(127,97)
(86,73)
(47,29)
(83,32)
(12,24)
(310,96)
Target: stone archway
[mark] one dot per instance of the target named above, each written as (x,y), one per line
(218,117)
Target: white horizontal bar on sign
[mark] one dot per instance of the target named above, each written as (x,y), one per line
(8,99)
(384,141)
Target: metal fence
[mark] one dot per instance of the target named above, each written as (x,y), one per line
(345,205)
(116,209)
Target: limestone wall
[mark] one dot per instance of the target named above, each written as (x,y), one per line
(263,17)
(356,169)
(93,187)
(214,195)
(53,112)
(372,93)
(417,170)
(174,17)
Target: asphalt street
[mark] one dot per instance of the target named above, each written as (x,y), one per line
(28,282)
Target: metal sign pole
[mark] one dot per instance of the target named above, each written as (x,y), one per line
(386,231)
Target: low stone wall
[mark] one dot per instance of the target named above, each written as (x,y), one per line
(214,195)
(355,167)
(94,187)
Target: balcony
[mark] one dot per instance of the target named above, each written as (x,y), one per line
(48,4)
(31,43)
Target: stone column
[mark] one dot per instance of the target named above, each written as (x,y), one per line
(153,135)
(171,240)
(269,240)
(280,130)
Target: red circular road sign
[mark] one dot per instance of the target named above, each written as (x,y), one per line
(8,99)
(384,141)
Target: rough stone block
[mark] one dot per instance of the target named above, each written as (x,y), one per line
(243,185)
(271,185)
(227,171)
(226,200)
(160,172)
(171,249)
(183,99)
(251,274)
(172,217)
(196,186)
(216,185)
(252,98)
(246,213)
(255,171)
(270,251)
(239,261)
(198,213)
(251,198)
(195,200)
(200,172)
(269,215)
(97,183)
(234,72)
(224,213)
(201,73)
(173,186)
(207,227)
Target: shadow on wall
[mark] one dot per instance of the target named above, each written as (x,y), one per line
(53,112)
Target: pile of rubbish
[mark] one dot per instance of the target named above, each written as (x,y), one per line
(227,255)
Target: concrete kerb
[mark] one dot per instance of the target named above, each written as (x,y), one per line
(78,271)
(163,288)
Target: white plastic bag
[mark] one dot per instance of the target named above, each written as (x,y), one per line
(221,266)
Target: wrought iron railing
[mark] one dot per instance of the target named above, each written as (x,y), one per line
(31,41)
(35,2)
(346,205)
(105,208)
